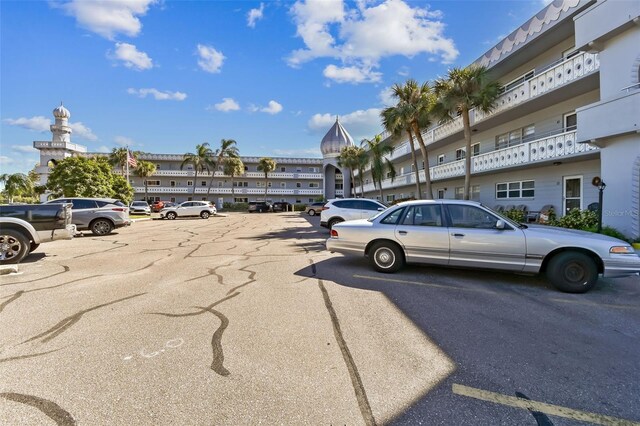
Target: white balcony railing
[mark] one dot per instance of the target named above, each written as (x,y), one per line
(215,191)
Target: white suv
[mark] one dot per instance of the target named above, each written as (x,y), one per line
(189,208)
(336,211)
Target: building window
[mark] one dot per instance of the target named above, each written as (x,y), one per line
(313,170)
(204,199)
(240,184)
(203,183)
(390,198)
(475,192)
(298,185)
(172,183)
(240,200)
(157,166)
(441,193)
(189,199)
(314,185)
(153,183)
(283,169)
(220,184)
(189,183)
(172,199)
(570,121)
(515,137)
(388,175)
(246,168)
(298,169)
(440,160)
(311,200)
(298,201)
(459,193)
(475,149)
(518,189)
(283,184)
(460,154)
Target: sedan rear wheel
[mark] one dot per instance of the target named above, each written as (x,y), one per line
(171,215)
(312,212)
(101,227)
(572,272)
(386,257)
(205,214)
(14,246)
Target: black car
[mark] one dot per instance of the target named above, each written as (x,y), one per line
(259,206)
(281,206)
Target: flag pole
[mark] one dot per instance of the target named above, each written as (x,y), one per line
(127,163)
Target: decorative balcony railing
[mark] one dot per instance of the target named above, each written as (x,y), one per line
(547,148)
(215,191)
(548,79)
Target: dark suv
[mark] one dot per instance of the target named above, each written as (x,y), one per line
(281,206)
(259,206)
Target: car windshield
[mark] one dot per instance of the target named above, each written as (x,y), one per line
(374,217)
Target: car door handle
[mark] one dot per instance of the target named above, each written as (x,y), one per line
(457,235)
(402,232)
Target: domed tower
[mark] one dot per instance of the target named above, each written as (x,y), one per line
(61,130)
(337,180)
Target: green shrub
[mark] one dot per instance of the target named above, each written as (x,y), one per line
(235,207)
(577,219)
(300,207)
(515,215)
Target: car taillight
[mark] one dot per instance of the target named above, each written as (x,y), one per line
(119,209)
(334,233)
(324,208)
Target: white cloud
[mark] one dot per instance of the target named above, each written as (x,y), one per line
(103,149)
(158,95)
(108,17)
(4,160)
(37,123)
(123,141)
(132,57)
(227,104)
(272,108)
(386,97)
(359,37)
(403,71)
(314,152)
(210,59)
(25,149)
(352,74)
(255,15)
(360,124)
(83,132)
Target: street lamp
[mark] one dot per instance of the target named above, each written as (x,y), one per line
(599,183)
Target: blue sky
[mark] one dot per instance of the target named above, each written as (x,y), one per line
(163,76)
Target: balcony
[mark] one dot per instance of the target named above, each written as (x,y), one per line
(215,191)
(58,145)
(545,80)
(552,147)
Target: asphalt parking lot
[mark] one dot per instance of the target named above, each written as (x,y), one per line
(247,319)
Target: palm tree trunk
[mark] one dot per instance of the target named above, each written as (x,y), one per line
(381,194)
(195,181)
(146,186)
(467,155)
(352,184)
(415,163)
(266,181)
(360,174)
(233,192)
(425,157)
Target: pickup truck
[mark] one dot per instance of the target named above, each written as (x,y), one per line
(23,227)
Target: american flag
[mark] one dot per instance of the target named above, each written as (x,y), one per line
(131,159)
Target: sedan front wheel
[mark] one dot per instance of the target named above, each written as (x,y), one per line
(386,257)
(572,272)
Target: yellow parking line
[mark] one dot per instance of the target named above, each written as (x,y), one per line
(448,287)
(554,410)
(606,305)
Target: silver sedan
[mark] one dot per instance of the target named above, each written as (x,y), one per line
(467,234)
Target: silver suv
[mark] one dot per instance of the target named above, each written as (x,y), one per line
(99,215)
(336,211)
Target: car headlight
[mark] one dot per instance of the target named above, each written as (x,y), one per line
(622,250)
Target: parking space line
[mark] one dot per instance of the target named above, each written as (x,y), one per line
(554,410)
(447,287)
(606,305)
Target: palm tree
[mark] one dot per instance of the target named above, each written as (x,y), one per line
(349,159)
(118,157)
(415,102)
(379,164)
(144,169)
(16,184)
(395,122)
(463,90)
(228,149)
(361,164)
(266,165)
(233,166)
(201,160)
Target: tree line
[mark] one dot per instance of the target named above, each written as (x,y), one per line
(418,107)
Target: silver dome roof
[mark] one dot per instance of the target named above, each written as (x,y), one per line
(336,138)
(61,112)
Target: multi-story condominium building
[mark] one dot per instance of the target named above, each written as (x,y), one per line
(569,112)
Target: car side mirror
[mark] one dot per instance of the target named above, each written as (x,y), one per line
(500,224)
(380,209)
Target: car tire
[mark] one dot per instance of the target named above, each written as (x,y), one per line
(101,227)
(572,272)
(386,257)
(33,247)
(171,215)
(14,246)
(312,212)
(334,221)
(205,214)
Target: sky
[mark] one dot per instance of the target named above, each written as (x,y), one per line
(162,76)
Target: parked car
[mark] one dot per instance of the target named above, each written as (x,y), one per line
(204,209)
(339,210)
(23,227)
(314,208)
(156,206)
(467,234)
(139,207)
(259,206)
(281,206)
(99,215)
